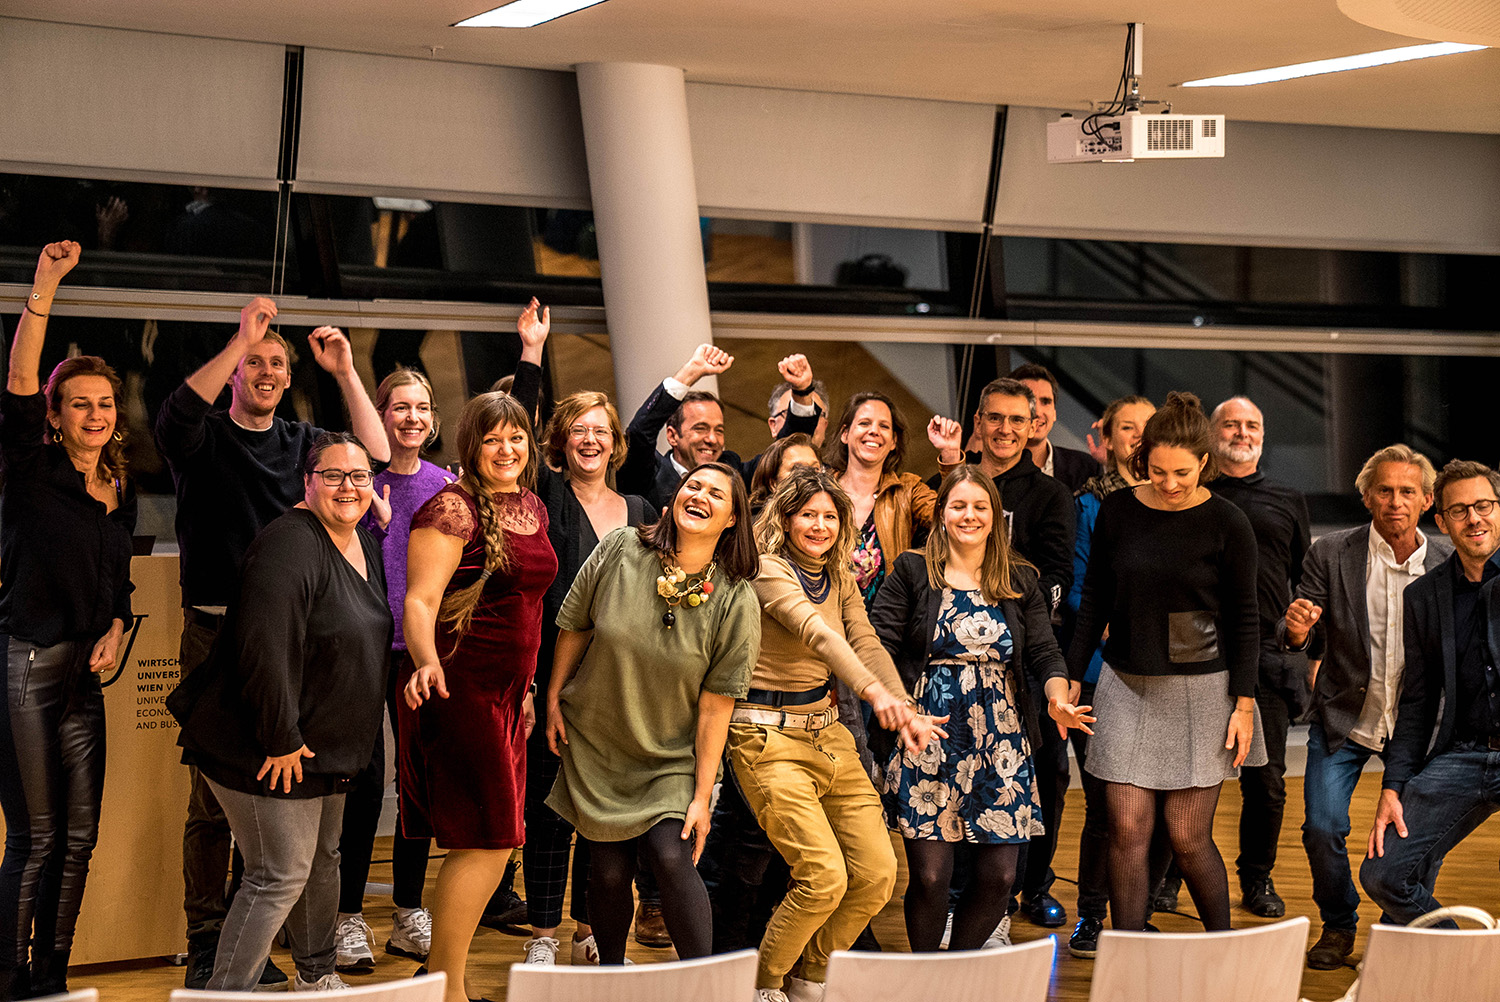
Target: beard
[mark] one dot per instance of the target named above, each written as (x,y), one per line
(1240,453)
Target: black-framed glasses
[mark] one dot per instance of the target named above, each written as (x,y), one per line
(1482,507)
(335,478)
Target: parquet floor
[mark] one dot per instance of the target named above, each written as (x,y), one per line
(1468,877)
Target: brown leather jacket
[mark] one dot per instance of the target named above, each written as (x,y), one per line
(902,502)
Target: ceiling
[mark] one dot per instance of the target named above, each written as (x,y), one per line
(1063,53)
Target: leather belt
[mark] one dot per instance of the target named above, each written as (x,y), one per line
(778,698)
(814,721)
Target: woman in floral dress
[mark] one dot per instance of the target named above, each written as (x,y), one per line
(966,625)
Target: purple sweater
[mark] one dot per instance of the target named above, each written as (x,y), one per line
(409,491)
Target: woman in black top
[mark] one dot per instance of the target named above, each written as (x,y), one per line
(1171,573)
(66,516)
(288,712)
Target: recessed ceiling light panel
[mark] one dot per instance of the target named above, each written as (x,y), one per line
(1339,65)
(525,13)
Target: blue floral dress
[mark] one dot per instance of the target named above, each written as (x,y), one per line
(978,784)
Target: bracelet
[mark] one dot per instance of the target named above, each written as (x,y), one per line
(34,313)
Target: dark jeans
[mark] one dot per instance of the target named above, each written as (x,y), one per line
(1263,792)
(362,804)
(51,785)
(205,838)
(1442,804)
(1326,792)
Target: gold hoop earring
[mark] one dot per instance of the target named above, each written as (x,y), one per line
(57,436)
(118,437)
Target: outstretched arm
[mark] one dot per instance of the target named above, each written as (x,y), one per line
(55,261)
(255,320)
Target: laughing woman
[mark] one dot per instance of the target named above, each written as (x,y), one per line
(66,516)
(657,639)
(796,764)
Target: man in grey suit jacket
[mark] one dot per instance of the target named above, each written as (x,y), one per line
(1347,616)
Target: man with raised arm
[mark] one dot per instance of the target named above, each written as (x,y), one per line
(235,471)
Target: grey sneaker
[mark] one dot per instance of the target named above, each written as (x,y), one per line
(327,983)
(1000,937)
(411,933)
(351,941)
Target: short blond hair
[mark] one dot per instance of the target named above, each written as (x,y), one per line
(1398,453)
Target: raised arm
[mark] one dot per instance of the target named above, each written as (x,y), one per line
(638,474)
(331,351)
(255,320)
(55,261)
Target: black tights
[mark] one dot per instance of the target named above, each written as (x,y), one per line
(981,906)
(684,900)
(1189,818)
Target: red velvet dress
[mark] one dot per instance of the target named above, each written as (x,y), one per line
(463,759)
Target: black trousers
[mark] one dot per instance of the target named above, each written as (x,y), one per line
(544,857)
(1263,789)
(51,786)
(206,841)
(1034,874)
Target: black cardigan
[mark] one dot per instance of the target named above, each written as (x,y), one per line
(905,618)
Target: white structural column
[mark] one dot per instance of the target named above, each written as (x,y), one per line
(635,130)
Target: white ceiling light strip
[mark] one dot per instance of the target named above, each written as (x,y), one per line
(525,13)
(1339,65)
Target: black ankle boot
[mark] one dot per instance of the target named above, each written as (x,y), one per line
(15,982)
(49,973)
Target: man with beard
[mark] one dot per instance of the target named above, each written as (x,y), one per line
(1278,514)
(235,471)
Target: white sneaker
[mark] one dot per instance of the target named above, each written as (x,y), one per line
(352,944)
(585,951)
(411,933)
(947,933)
(327,983)
(799,990)
(541,950)
(1000,937)
(770,995)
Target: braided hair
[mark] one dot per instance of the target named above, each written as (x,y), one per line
(482,415)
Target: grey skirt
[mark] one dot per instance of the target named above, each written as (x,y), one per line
(1166,732)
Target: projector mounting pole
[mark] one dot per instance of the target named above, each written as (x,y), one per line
(1136,40)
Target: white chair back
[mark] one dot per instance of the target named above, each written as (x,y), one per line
(726,978)
(81,995)
(427,988)
(1263,964)
(1024,971)
(1424,964)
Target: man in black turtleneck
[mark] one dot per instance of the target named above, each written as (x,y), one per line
(1278,514)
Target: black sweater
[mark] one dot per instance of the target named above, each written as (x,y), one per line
(302,661)
(231,483)
(65,560)
(1175,588)
(1278,515)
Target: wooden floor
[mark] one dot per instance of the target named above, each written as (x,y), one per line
(1469,877)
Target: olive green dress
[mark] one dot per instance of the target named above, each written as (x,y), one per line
(631,710)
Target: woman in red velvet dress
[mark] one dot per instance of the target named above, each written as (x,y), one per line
(478,564)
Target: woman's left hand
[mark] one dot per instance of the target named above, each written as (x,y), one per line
(528,712)
(893,714)
(696,825)
(922,729)
(1241,731)
(1067,715)
(107,651)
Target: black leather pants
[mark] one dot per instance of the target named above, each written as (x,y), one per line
(51,784)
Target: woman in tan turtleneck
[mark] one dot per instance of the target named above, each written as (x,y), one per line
(796,764)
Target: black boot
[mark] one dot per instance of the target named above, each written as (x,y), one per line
(15,982)
(49,973)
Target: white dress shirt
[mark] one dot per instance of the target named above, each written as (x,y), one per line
(1385,580)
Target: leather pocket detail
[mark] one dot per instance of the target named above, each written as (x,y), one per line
(1192,637)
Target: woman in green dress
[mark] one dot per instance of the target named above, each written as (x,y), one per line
(657,639)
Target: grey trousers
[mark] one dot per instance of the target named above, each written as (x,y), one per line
(291,850)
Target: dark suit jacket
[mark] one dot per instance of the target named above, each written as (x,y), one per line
(905,618)
(1073,467)
(1333,577)
(651,474)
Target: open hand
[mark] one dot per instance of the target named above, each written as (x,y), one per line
(284,769)
(695,826)
(1387,812)
(921,730)
(534,324)
(1068,715)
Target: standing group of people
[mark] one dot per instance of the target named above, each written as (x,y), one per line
(579,640)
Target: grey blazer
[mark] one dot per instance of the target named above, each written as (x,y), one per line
(1333,577)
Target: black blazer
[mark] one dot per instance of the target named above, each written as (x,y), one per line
(905,618)
(1428,712)
(1333,577)
(1072,467)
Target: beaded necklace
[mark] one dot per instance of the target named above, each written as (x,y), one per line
(814,587)
(675,587)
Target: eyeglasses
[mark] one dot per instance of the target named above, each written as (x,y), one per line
(582,432)
(336,478)
(1455,512)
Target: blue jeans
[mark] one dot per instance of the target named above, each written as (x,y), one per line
(1326,792)
(1442,804)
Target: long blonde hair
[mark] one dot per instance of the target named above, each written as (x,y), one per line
(796,489)
(480,415)
(997,573)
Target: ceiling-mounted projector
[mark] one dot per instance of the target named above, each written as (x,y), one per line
(1134,135)
(1119,132)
